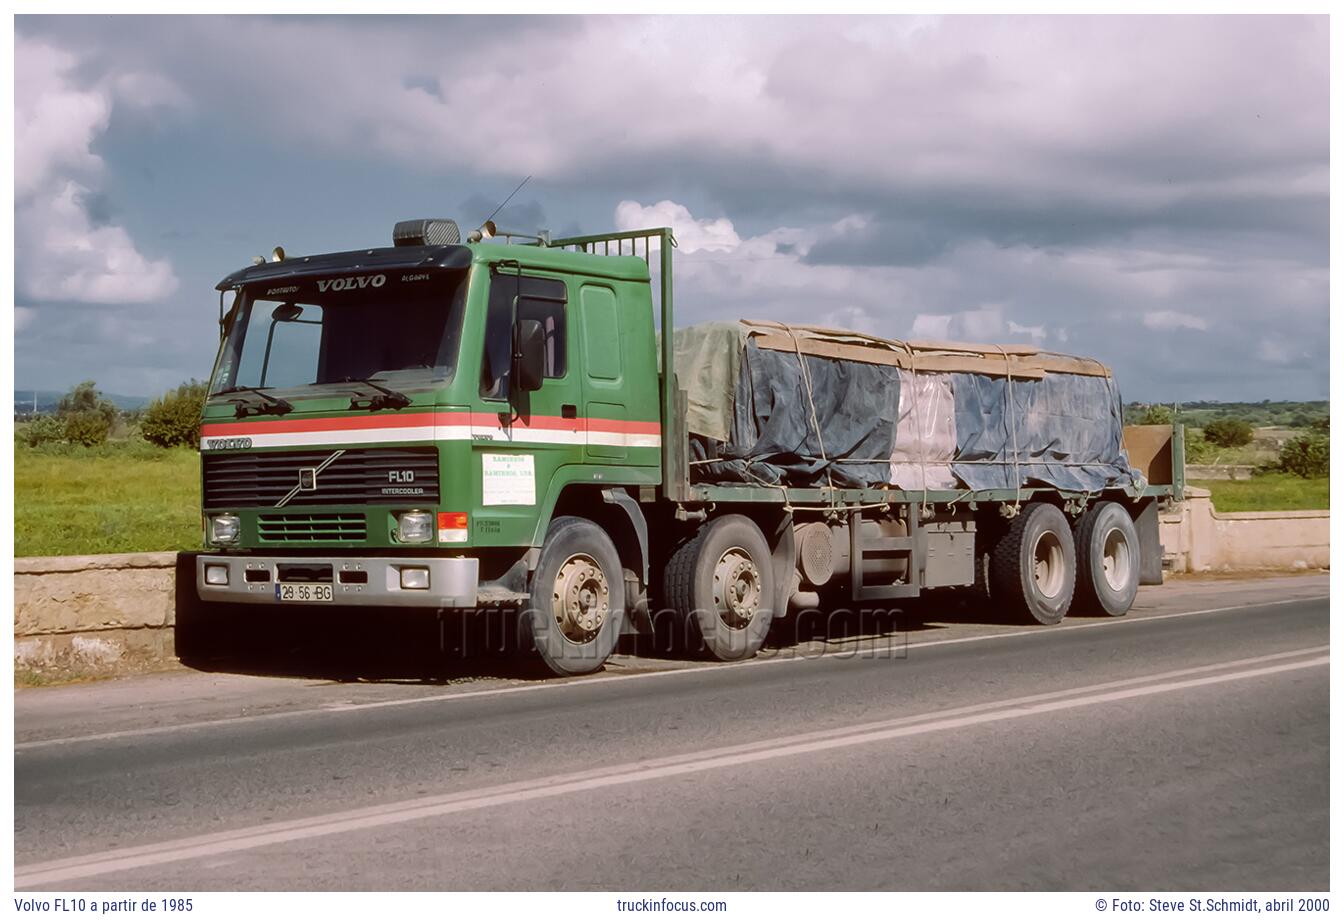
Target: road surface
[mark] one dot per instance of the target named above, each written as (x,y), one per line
(1184,747)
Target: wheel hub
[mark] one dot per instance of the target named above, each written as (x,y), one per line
(581,598)
(1048,564)
(1115,559)
(737,588)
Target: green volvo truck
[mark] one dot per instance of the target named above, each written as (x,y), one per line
(486,424)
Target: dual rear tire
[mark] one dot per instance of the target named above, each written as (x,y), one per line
(1042,568)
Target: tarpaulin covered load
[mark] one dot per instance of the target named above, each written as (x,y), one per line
(802,406)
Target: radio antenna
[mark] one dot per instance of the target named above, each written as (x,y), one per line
(506,200)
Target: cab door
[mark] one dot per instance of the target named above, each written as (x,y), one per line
(519,440)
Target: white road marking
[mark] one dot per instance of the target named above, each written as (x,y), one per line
(46,874)
(848,650)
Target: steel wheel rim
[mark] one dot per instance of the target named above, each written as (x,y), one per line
(580,598)
(737,588)
(1047,563)
(1116,560)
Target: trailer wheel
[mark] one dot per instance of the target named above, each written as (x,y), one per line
(721,587)
(1031,568)
(1108,560)
(577,603)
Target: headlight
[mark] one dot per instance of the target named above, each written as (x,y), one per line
(415,526)
(224,529)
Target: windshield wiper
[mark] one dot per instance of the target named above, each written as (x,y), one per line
(386,398)
(271,405)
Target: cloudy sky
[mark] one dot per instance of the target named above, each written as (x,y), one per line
(1149,190)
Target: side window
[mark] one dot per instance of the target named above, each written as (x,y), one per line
(601,332)
(541,299)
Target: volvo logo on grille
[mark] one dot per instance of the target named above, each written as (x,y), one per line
(226,444)
(308,479)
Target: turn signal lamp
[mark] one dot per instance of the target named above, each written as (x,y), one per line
(452,527)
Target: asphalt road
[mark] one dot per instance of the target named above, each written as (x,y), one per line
(1184,747)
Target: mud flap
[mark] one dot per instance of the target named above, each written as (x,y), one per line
(1150,543)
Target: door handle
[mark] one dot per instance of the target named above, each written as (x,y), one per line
(569,410)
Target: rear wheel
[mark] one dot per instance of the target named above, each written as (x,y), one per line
(1108,560)
(721,588)
(578,598)
(1031,568)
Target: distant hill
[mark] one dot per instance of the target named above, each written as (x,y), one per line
(47,400)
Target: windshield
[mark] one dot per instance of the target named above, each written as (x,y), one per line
(402,331)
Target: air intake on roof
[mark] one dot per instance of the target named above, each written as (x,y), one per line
(426,232)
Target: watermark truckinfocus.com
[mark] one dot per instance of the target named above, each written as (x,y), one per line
(670,905)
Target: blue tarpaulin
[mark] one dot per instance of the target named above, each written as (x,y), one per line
(807,419)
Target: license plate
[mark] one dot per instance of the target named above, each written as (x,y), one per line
(302,593)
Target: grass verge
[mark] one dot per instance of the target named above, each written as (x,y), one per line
(105,500)
(1268,492)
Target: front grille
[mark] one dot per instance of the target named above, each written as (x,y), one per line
(310,528)
(369,476)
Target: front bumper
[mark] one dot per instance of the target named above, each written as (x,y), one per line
(364,581)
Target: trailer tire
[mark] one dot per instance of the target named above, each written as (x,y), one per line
(1032,565)
(577,605)
(720,586)
(1108,560)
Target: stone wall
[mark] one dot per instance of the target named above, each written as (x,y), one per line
(94,614)
(1232,471)
(1198,538)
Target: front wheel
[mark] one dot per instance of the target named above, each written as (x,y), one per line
(577,602)
(721,586)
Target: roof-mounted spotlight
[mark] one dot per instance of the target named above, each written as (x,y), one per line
(486,232)
(278,254)
(258,260)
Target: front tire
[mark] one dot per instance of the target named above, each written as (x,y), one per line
(721,587)
(577,604)
(1031,568)
(1108,560)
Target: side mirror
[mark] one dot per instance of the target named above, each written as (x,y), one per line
(529,354)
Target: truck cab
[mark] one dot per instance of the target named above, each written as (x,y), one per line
(399,426)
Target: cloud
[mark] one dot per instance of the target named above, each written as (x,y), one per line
(1044,125)
(23,317)
(692,235)
(1275,350)
(1171,319)
(1036,333)
(63,252)
(969,176)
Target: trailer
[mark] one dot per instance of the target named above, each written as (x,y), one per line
(497,424)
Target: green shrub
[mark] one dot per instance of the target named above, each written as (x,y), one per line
(1307,456)
(1155,415)
(174,419)
(88,427)
(1197,449)
(45,429)
(85,397)
(1321,425)
(1229,432)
